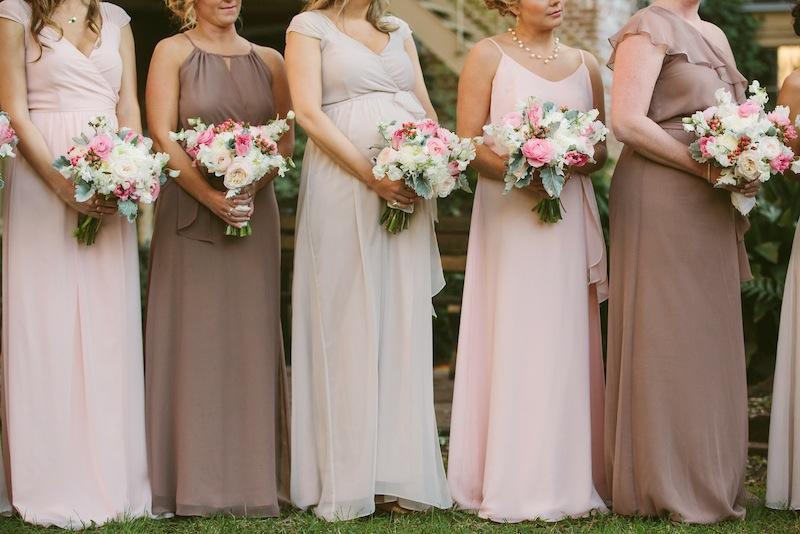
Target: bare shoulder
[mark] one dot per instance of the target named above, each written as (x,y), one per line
(715,34)
(270,56)
(174,49)
(486,51)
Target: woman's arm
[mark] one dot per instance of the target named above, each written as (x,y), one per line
(474,103)
(283,104)
(598,98)
(163,93)
(32,146)
(420,90)
(303,68)
(128,112)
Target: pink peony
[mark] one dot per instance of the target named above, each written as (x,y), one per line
(454,168)
(243,143)
(781,163)
(155,189)
(398,137)
(513,119)
(427,127)
(748,108)
(538,152)
(443,134)
(535,114)
(574,158)
(123,191)
(206,137)
(436,147)
(704,146)
(7,133)
(101,145)
(778,119)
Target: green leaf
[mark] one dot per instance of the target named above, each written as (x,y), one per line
(129,209)
(769,251)
(552,181)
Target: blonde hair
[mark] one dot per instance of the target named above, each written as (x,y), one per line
(376,14)
(502,6)
(183,11)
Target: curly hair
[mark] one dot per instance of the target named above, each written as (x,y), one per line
(376,14)
(796,16)
(183,11)
(42,16)
(504,6)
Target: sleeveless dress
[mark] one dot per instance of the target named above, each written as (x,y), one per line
(74,393)
(363,423)
(783,467)
(676,405)
(521,436)
(216,399)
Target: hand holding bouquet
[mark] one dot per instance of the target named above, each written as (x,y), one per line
(542,141)
(431,160)
(238,153)
(744,140)
(115,165)
(8,140)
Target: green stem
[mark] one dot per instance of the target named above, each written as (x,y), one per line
(244,231)
(87,229)
(549,210)
(394,220)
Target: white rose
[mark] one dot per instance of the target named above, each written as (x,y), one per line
(218,161)
(239,174)
(770,148)
(749,166)
(386,157)
(124,169)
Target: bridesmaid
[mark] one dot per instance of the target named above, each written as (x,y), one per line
(783,470)
(521,438)
(73,379)
(363,424)
(676,405)
(217,410)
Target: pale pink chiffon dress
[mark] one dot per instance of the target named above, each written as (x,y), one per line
(526,431)
(72,345)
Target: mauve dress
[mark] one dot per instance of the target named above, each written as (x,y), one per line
(73,387)
(676,405)
(526,430)
(215,376)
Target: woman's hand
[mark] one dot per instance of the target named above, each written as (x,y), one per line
(396,193)
(235,211)
(96,207)
(748,189)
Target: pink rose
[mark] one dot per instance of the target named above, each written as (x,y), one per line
(436,146)
(398,137)
(123,191)
(576,159)
(705,149)
(101,145)
(513,119)
(7,133)
(535,114)
(155,189)
(443,134)
(206,137)
(538,152)
(781,163)
(427,127)
(748,108)
(243,143)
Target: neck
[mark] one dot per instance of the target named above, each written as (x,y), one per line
(356,9)
(218,34)
(534,36)
(688,9)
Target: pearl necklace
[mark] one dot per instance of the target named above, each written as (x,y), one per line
(534,55)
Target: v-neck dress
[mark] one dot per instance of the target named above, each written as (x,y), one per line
(72,346)
(216,399)
(526,429)
(363,423)
(676,406)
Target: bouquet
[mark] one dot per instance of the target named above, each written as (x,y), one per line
(238,153)
(430,159)
(117,165)
(542,140)
(8,140)
(743,139)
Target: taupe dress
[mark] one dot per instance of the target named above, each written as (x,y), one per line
(676,410)
(216,404)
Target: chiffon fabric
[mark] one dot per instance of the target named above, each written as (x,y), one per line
(783,463)
(217,404)
(363,422)
(72,339)
(676,405)
(528,402)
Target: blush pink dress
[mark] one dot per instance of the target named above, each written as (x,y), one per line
(526,430)
(72,337)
